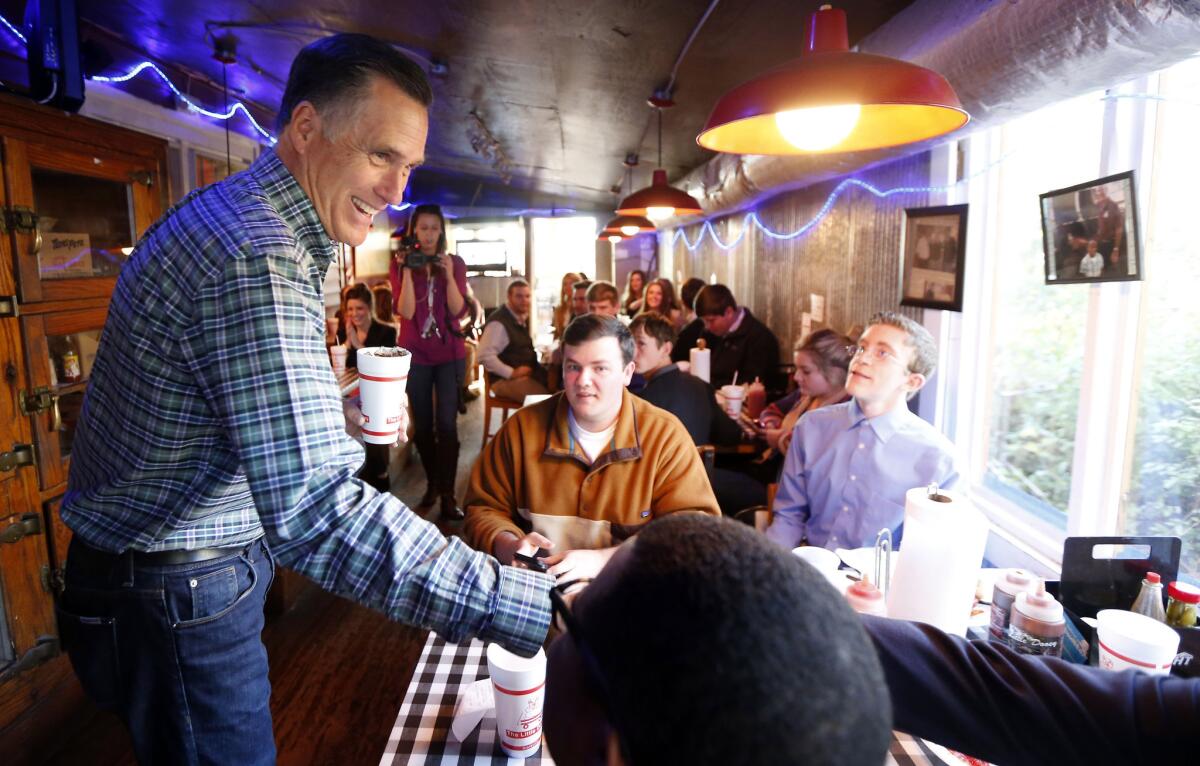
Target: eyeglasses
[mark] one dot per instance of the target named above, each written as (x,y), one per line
(560,610)
(878,354)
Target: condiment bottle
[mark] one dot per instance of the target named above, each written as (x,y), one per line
(756,398)
(70,364)
(1182,601)
(1149,600)
(865,598)
(1037,625)
(1004,594)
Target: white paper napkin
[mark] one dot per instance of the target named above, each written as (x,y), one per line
(473,704)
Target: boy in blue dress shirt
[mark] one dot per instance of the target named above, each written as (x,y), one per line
(850,464)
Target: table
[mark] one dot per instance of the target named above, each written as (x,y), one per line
(421,733)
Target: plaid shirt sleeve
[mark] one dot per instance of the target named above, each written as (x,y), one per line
(256,348)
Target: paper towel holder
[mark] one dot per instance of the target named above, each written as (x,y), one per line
(934,493)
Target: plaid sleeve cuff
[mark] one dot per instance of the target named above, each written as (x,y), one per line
(522,614)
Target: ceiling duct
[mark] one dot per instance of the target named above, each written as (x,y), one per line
(1005,58)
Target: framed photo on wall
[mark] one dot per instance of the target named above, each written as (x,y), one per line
(932,252)
(1090,233)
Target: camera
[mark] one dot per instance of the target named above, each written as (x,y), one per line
(408,249)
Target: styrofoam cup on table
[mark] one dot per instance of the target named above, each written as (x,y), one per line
(337,358)
(519,684)
(733,397)
(381,384)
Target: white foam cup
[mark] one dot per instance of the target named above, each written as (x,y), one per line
(337,357)
(519,684)
(1131,640)
(733,396)
(381,383)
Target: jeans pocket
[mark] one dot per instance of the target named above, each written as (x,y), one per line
(91,644)
(202,598)
(212,592)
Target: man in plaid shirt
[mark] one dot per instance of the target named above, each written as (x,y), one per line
(212,440)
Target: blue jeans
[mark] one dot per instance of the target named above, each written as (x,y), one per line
(175,651)
(438,413)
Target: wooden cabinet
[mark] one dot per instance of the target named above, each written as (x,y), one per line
(76,195)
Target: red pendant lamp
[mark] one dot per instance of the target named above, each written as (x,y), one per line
(659,200)
(624,226)
(832,99)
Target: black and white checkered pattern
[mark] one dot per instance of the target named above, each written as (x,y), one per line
(421,734)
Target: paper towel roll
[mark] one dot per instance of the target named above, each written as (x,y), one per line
(939,560)
(701,358)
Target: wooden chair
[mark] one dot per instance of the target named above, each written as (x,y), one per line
(491,402)
(759,516)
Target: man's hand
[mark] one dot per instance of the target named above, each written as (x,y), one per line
(355,420)
(507,544)
(579,564)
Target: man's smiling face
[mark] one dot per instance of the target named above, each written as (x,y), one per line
(366,165)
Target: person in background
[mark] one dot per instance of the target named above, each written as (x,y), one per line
(506,348)
(362,331)
(660,298)
(849,465)
(585,469)
(471,328)
(603,299)
(381,295)
(740,343)
(987,701)
(686,397)
(822,360)
(431,305)
(693,326)
(635,285)
(579,301)
(564,312)
(212,442)
(703,620)
(365,332)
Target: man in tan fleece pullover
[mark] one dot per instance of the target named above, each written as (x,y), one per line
(582,471)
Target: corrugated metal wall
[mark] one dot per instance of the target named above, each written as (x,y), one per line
(852,256)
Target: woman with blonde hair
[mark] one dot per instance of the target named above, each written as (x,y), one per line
(562,312)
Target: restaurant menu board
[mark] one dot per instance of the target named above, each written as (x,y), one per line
(64,255)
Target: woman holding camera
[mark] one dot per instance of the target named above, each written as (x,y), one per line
(430,284)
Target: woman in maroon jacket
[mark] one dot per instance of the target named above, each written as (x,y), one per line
(430,303)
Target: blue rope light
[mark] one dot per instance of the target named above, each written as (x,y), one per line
(193,106)
(14,30)
(830,201)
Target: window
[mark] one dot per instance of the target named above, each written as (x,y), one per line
(1079,407)
(1037,332)
(1162,494)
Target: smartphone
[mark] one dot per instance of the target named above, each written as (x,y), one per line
(534,562)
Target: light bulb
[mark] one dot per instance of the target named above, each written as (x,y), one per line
(614,238)
(819,127)
(659,213)
(629,231)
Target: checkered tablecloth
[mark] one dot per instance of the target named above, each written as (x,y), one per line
(421,733)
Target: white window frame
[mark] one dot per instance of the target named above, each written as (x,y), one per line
(1106,405)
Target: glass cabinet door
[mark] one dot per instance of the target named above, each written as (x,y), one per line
(76,218)
(61,348)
